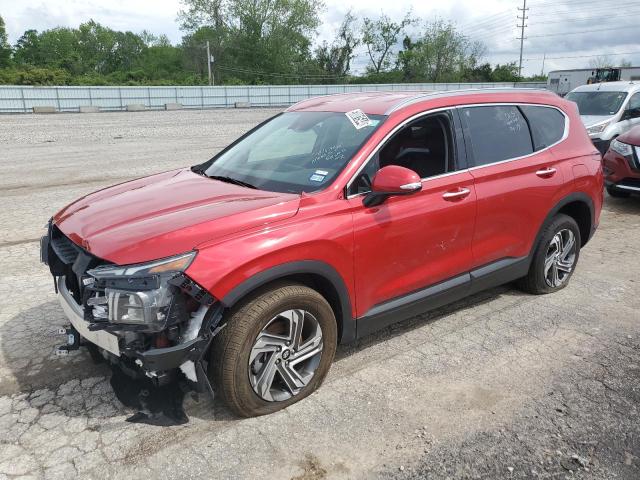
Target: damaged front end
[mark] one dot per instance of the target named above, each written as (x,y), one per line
(150,320)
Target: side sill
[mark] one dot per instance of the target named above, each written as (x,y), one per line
(408,306)
(413,304)
(498,273)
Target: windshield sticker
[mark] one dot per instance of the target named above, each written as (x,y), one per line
(358,118)
(318,176)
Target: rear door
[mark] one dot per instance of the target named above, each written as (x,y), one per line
(516,175)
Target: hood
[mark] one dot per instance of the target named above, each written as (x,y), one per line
(590,120)
(167,214)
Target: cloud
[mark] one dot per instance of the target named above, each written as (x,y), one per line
(493,24)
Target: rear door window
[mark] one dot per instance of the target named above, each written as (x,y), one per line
(497,133)
(547,125)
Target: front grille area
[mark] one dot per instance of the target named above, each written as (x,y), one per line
(71,261)
(65,249)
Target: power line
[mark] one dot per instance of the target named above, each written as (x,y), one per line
(587,19)
(577,33)
(586,56)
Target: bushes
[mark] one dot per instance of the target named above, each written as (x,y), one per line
(34,76)
(27,75)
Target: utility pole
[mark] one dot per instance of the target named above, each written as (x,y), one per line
(209,63)
(521,27)
(544,57)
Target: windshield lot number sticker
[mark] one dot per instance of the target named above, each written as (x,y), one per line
(358,118)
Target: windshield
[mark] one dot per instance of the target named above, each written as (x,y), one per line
(597,103)
(294,152)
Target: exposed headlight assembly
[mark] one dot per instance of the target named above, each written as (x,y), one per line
(135,294)
(623,149)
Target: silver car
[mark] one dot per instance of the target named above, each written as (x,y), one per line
(607,109)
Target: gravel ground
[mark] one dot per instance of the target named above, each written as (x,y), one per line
(501,385)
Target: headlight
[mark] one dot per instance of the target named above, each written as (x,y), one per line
(623,149)
(597,128)
(135,294)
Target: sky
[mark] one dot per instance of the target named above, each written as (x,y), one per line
(585,30)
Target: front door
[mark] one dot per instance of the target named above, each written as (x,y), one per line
(412,242)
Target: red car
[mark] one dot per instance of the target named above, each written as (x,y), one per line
(339,216)
(622,165)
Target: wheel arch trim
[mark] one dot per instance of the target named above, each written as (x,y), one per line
(346,323)
(575,197)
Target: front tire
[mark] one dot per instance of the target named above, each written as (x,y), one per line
(275,349)
(555,257)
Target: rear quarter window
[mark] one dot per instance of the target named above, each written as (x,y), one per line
(497,133)
(547,125)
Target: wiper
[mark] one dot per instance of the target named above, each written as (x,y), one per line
(235,181)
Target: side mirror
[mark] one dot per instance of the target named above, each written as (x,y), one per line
(390,181)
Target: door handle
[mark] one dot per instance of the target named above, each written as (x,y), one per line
(458,194)
(546,172)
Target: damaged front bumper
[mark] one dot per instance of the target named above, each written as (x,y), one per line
(158,364)
(175,350)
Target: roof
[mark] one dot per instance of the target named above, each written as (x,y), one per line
(372,103)
(383,103)
(623,86)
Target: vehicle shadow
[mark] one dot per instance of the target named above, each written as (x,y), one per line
(405,326)
(76,386)
(73,385)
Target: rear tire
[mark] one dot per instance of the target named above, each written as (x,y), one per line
(555,257)
(257,342)
(615,193)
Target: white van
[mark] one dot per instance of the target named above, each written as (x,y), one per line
(607,109)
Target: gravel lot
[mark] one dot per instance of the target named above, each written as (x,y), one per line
(502,385)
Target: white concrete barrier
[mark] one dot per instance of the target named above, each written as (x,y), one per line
(136,107)
(89,109)
(44,109)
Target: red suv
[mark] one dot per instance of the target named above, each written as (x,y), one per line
(339,216)
(622,164)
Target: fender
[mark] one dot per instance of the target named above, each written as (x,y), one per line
(346,323)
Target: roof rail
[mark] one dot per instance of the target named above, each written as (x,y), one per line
(412,100)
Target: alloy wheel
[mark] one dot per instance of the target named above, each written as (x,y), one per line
(285,355)
(560,258)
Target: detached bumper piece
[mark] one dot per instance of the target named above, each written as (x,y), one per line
(73,341)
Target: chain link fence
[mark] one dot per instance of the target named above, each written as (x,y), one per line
(19,99)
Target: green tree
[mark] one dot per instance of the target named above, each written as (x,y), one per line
(440,54)
(380,36)
(5,49)
(335,59)
(254,40)
(505,73)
